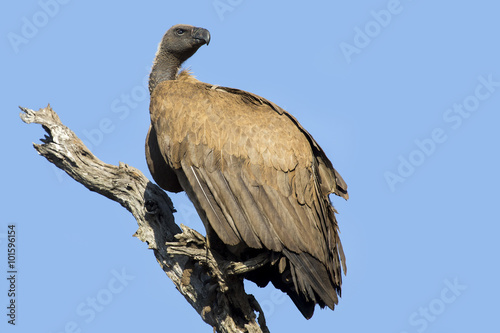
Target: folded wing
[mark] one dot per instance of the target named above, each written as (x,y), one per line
(258,180)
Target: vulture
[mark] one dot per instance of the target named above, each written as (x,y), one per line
(258,180)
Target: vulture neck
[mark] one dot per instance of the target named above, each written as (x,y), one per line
(165,67)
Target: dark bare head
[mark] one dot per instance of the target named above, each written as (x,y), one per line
(178,44)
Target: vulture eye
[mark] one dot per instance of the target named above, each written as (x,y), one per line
(180,31)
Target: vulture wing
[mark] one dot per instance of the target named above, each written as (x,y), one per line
(258,180)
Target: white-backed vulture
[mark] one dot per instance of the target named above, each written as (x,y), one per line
(257,178)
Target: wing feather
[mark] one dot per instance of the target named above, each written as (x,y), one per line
(208,209)
(232,209)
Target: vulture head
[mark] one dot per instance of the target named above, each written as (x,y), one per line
(178,44)
(182,41)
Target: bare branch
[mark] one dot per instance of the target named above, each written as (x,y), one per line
(209,283)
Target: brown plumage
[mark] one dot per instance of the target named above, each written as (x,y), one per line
(257,178)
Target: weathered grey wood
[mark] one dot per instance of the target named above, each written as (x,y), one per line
(208,282)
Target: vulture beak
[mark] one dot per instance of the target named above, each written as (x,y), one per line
(201,35)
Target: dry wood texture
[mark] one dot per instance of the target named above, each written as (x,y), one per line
(207,281)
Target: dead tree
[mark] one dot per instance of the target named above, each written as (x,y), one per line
(209,283)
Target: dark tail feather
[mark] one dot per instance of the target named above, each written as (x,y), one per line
(313,279)
(303,278)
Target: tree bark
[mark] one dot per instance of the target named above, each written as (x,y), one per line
(208,282)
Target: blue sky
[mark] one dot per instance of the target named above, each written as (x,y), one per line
(402,95)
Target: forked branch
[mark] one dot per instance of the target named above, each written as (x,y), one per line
(208,283)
